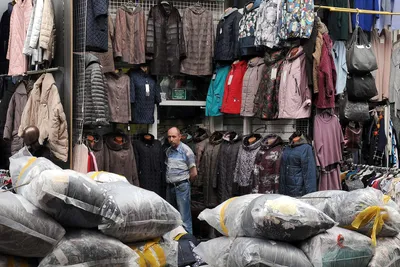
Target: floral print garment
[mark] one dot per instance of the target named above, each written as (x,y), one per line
(247,24)
(297,19)
(268,20)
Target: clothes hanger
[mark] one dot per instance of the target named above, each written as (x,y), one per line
(165,2)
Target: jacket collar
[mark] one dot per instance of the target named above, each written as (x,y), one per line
(275,56)
(130,11)
(111,144)
(303,140)
(41,88)
(90,58)
(271,141)
(97,143)
(231,137)
(147,141)
(21,89)
(247,146)
(257,61)
(197,9)
(299,52)
(186,138)
(239,64)
(166,9)
(229,11)
(200,135)
(216,138)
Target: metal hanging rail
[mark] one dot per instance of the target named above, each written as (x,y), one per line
(33,72)
(355,10)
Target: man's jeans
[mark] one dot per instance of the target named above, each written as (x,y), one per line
(179,197)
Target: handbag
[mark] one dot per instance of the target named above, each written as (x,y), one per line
(360,57)
(361,87)
(353,111)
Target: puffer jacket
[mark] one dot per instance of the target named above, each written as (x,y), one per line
(215,93)
(97,25)
(233,88)
(14,114)
(298,169)
(268,22)
(227,158)
(48,31)
(95,98)
(265,176)
(227,38)
(251,82)
(32,36)
(245,162)
(165,42)
(294,94)
(208,169)
(297,19)
(266,102)
(247,29)
(45,111)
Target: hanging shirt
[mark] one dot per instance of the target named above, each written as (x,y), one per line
(384,20)
(396,18)
(338,22)
(339,58)
(365,20)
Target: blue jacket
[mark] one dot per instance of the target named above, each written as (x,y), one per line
(298,174)
(215,93)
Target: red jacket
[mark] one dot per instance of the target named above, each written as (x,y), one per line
(233,88)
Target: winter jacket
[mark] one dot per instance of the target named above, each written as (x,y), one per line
(198,32)
(97,147)
(200,138)
(215,93)
(247,28)
(19,24)
(326,76)
(150,160)
(227,158)
(298,169)
(97,25)
(294,95)
(130,35)
(107,59)
(120,158)
(251,82)
(165,43)
(245,163)
(268,21)
(266,102)
(32,36)
(14,114)
(48,31)
(7,90)
(233,88)
(143,101)
(4,37)
(265,176)
(319,42)
(227,38)
(95,97)
(297,19)
(45,111)
(208,169)
(118,88)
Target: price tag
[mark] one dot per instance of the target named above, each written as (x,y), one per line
(147,86)
(274,72)
(214,76)
(230,79)
(220,31)
(382,40)
(284,75)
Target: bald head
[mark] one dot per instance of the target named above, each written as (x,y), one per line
(174,137)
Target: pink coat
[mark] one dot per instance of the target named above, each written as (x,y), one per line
(294,94)
(19,24)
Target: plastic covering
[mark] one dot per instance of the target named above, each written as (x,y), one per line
(338,247)
(90,248)
(106,177)
(145,214)
(24,229)
(387,253)
(11,261)
(250,252)
(157,253)
(270,216)
(72,198)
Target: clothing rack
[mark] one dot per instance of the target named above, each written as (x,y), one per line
(376,168)
(34,72)
(355,10)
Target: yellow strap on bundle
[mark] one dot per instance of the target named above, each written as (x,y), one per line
(386,199)
(29,163)
(179,236)
(222,215)
(142,259)
(367,215)
(94,175)
(157,260)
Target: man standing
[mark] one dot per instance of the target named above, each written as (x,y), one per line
(181,169)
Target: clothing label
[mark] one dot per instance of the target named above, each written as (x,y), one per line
(214,76)
(147,89)
(274,72)
(382,40)
(220,31)
(284,75)
(230,79)
(129,128)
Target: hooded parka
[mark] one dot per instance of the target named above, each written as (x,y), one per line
(233,88)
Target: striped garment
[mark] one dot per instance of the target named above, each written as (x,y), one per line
(179,161)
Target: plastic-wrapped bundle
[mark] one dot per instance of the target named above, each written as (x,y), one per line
(106,177)
(157,253)
(387,252)
(226,218)
(11,261)
(90,248)
(326,201)
(250,252)
(366,211)
(25,230)
(72,199)
(338,247)
(283,218)
(145,214)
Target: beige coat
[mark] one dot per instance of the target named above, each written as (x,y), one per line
(45,111)
(48,31)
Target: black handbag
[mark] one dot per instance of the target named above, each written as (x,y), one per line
(353,111)
(361,87)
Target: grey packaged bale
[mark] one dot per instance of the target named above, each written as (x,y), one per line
(145,215)
(387,252)
(250,252)
(338,247)
(91,248)
(25,230)
(328,201)
(106,177)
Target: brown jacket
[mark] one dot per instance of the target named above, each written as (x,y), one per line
(130,35)
(45,111)
(199,39)
(107,58)
(119,99)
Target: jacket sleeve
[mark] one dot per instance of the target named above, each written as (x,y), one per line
(118,34)
(255,175)
(182,46)
(157,98)
(277,167)
(185,29)
(8,127)
(99,96)
(27,50)
(309,171)
(135,176)
(37,24)
(26,119)
(150,34)
(282,176)
(236,32)
(47,29)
